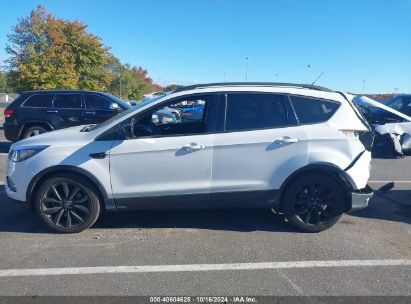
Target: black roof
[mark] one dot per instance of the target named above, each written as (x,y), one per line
(266,84)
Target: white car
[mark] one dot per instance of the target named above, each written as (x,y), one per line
(385,118)
(301,150)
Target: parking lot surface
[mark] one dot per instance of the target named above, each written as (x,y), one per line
(228,252)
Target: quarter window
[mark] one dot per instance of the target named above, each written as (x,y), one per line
(247,111)
(311,110)
(68,101)
(38,101)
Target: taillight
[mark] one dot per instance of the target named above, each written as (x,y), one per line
(8,112)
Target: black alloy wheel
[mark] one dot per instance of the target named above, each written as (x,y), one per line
(67,204)
(314,202)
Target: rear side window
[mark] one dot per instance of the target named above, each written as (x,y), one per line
(67,101)
(96,102)
(247,111)
(38,101)
(311,110)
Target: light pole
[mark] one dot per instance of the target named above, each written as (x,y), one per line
(246,69)
(225,77)
(396,91)
(119,77)
(308,71)
(363,86)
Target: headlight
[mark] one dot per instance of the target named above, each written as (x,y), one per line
(23,153)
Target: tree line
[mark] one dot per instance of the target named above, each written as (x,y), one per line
(47,52)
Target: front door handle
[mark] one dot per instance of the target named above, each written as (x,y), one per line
(286,140)
(52,111)
(193,146)
(89,113)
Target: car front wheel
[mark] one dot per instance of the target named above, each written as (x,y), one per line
(313,203)
(67,203)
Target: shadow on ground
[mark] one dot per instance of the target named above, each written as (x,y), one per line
(396,207)
(5,146)
(15,218)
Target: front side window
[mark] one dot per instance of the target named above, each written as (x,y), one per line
(96,102)
(38,101)
(179,117)
(67,101)
(248,111)
(311,110)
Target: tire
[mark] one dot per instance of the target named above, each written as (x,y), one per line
(70,210)
(33,131)
(313,202)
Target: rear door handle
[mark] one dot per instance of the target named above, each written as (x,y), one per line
(286,140)
(52,111)
(89,112)
(99,155)
(193,146)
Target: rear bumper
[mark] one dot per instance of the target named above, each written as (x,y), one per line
(11,131)
(360,198)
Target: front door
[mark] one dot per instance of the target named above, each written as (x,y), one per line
(165,161)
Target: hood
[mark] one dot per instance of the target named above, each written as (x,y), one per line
(58,137)
(368,102)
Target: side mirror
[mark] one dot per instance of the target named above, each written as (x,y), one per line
(114,106)
(155,119)
(133,103)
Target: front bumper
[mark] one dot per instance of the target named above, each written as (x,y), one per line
(360,198)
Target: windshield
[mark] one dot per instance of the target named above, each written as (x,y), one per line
(124,113)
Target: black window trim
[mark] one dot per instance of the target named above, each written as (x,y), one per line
(22,105)
(69,93)
(108,134)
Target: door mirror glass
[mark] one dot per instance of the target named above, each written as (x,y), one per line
(155,119)
(114,106)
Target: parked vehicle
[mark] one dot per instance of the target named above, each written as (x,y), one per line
(400,103)
(37,112)
(386,119)
(301,150)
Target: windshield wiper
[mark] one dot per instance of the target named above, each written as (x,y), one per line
(87,128)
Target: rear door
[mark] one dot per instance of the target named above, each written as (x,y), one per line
(98,109)
(35,107)
(259,147)
(67,109)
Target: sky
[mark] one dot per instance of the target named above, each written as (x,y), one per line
(359,45)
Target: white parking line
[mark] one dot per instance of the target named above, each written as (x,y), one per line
(382,182)
(200,267)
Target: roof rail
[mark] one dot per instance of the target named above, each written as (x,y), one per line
(265,84)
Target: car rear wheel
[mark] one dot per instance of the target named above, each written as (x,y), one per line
(313,203)
(33,131)
(67,203)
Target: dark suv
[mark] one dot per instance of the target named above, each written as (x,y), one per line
(37,112)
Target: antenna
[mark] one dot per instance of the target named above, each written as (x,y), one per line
(317,78)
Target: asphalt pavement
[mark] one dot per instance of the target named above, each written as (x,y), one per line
(230,252)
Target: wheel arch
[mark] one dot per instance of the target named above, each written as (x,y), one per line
(328,169)
(107,203)
(31,123)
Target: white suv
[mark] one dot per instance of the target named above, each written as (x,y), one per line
(300,150)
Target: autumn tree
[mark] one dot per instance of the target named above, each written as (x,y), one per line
(49,53)
(172,87)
